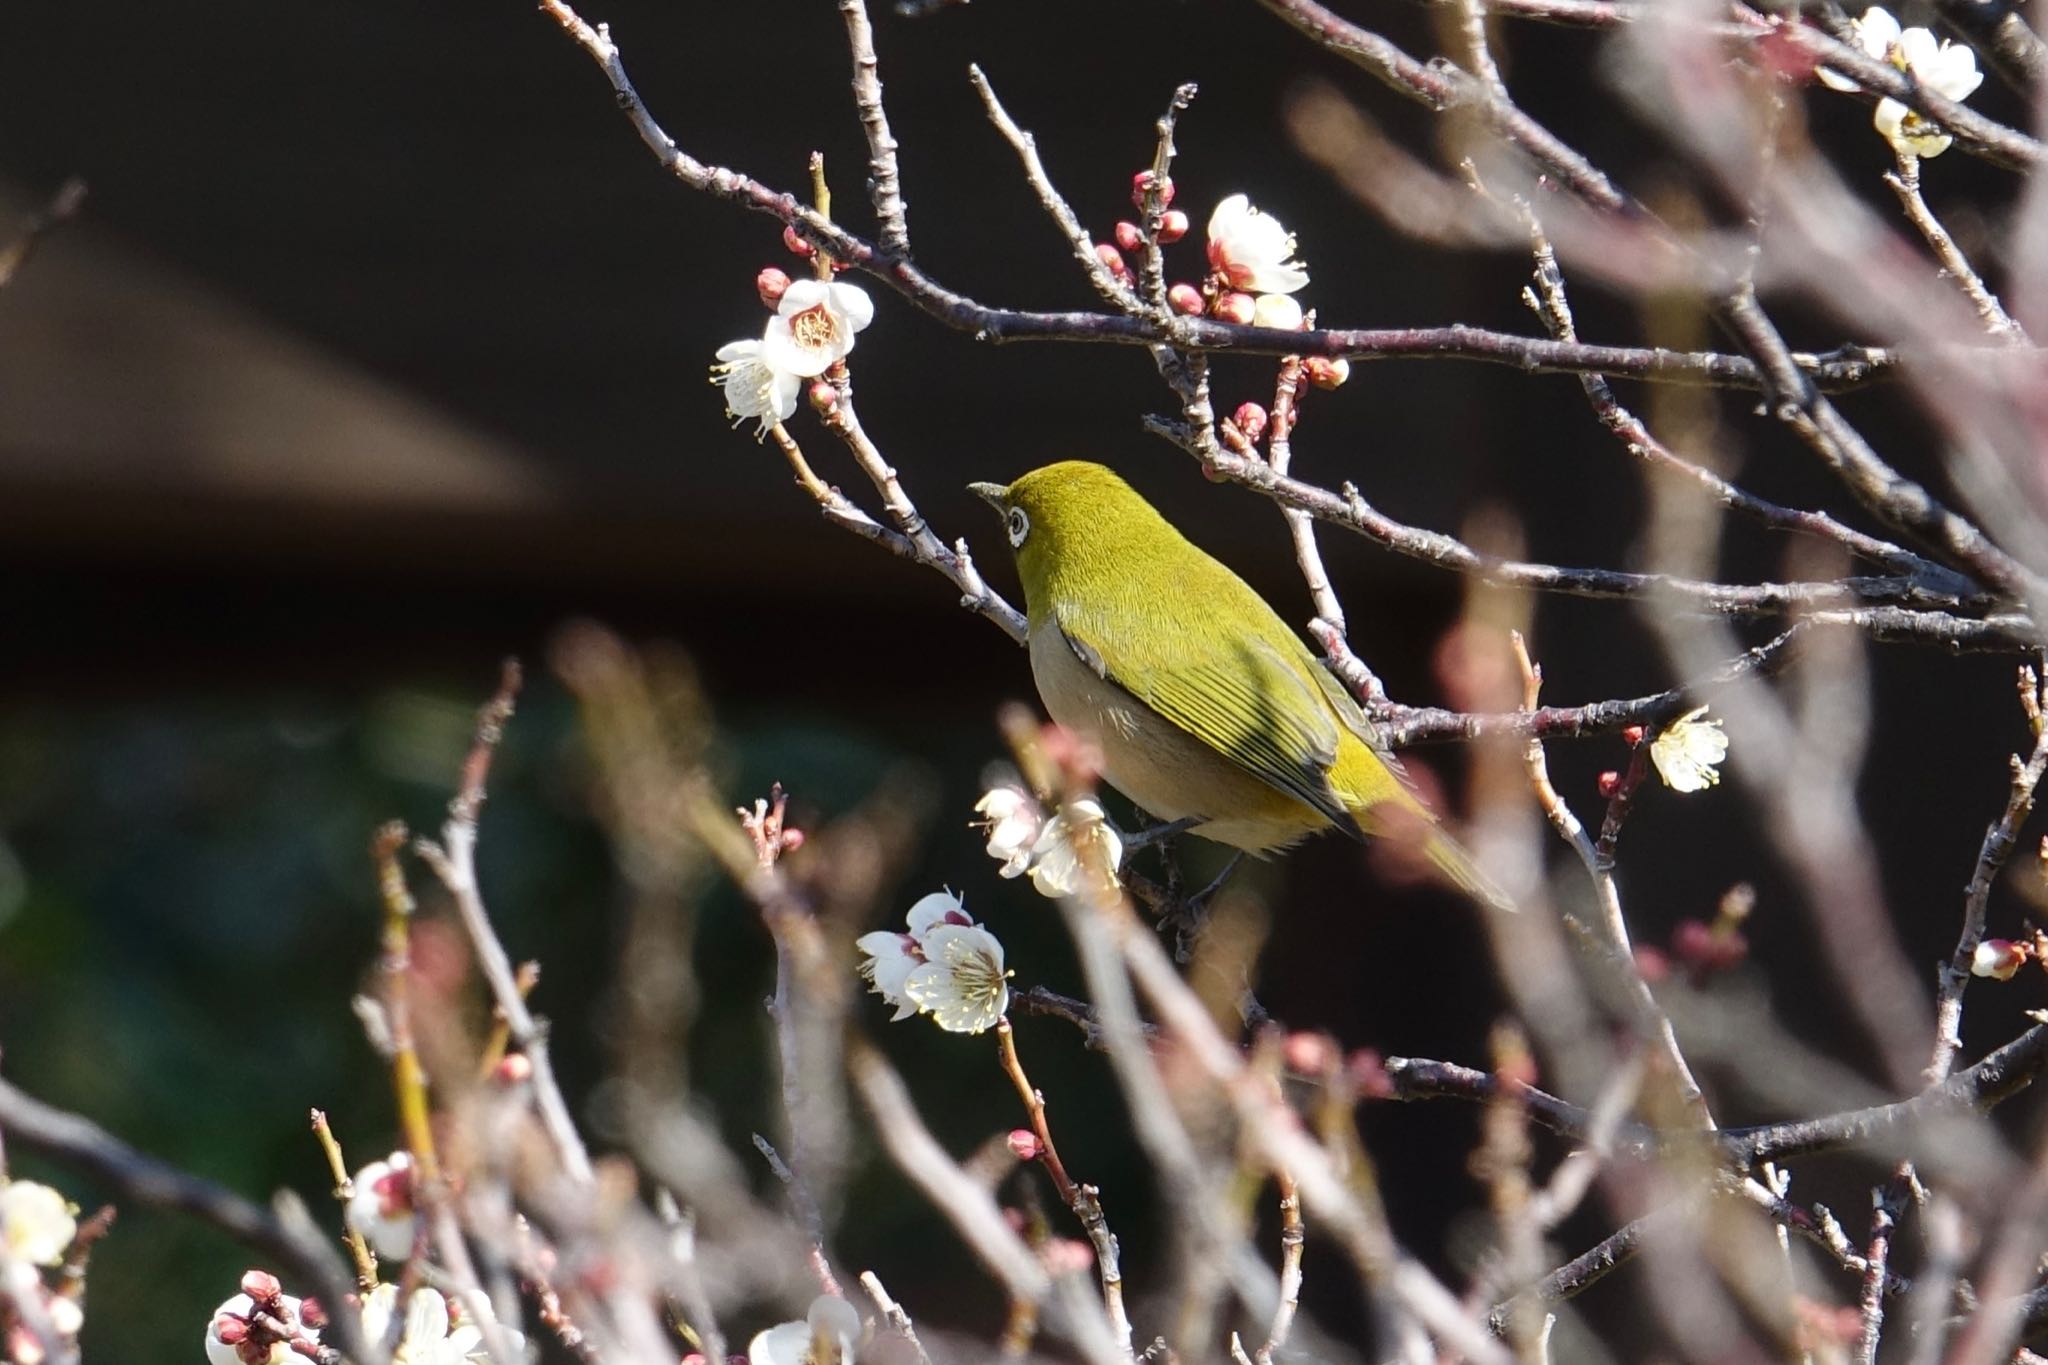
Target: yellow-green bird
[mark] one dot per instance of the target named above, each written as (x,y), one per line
(1205,705)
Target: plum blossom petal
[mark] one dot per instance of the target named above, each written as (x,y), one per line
(1688,751)
(1252,249)
(36,1223)
(755,390)
(826,1336)
(381,1208)
(1058,865)
(814,325)
(1013,821)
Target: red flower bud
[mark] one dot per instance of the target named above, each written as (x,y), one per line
(1325,372)
(1024,1145)
(261,1286)
(1234,307)
(771,284)
(797,244)
(314,1316)
(1367,1072)
(1610,784)
(231,1330)
(1633,735)
(1114,260)
(823,397)
(514,1068)
(1142,181)
(1185,298)
(1999,958)
(1250,419)
(1311,1054)
(1173,225)
(792,839)
(1129,236)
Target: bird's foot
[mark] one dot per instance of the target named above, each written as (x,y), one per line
(1159,834)
(1188,915)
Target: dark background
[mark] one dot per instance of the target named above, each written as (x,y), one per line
(380,351)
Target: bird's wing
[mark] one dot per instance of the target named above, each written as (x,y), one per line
(1353,715)
(1240,697)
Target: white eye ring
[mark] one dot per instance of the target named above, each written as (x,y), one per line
(1018,525)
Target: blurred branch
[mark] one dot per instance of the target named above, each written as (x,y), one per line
(63,206)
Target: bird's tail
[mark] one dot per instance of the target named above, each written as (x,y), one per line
(1449,857)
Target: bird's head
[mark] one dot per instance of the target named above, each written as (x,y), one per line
(1072,525)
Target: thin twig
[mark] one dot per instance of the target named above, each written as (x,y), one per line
(885,181)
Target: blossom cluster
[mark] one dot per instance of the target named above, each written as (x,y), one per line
(944,965)
(811,330)
(1948,69)
(1054,851)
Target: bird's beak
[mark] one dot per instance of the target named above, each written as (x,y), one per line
(994,494)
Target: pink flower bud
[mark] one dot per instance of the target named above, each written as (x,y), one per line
(314,1316)
(797,244)
(1651,964)
(771,284)
(792,840)
(261,1286)
(230,1330)
(1234,307)
(1173,225)
(1704,950)
(1142,181)
(1633,735)
(1325,372)
(1367,1072)
(1129,236)
(1065,1256)
(1185,298)
(1610,784)
(514,1068)
(1024,1145)
(1998,958)
(1250,419)
(1114,260)
(1311,1054)
(823,397)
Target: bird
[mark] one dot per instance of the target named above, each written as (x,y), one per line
(1209,711)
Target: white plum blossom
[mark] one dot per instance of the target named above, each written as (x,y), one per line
(1057,864)
(946,966)
(430,1336)
(36,1223)
(1013,821)
(1252,250)
(813,326)
(381,1208)
(826,1336)
(962,984)
(755,391)
(1948,69)
(1688,751)
(889,958)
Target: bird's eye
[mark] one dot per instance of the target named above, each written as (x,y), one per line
(1018,525)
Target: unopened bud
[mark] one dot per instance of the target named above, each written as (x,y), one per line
(261,1285)
(1113,260)
(771,284)
(1129,236)
(1185,298)
(1367,1072)
(1633,735)
(1651,964)
(1142,182)
(1327,372)
(514,1068)
(792,839)
(1277,310)
(1250,419)
(1610,784)
(797,244)
(1173,225)
(1024,1145)
(823,397)
(1311,1054)
(230,1330)
(1998,958)
(1705,949)
(1234,307)
(313,1315)
(1065,1256)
